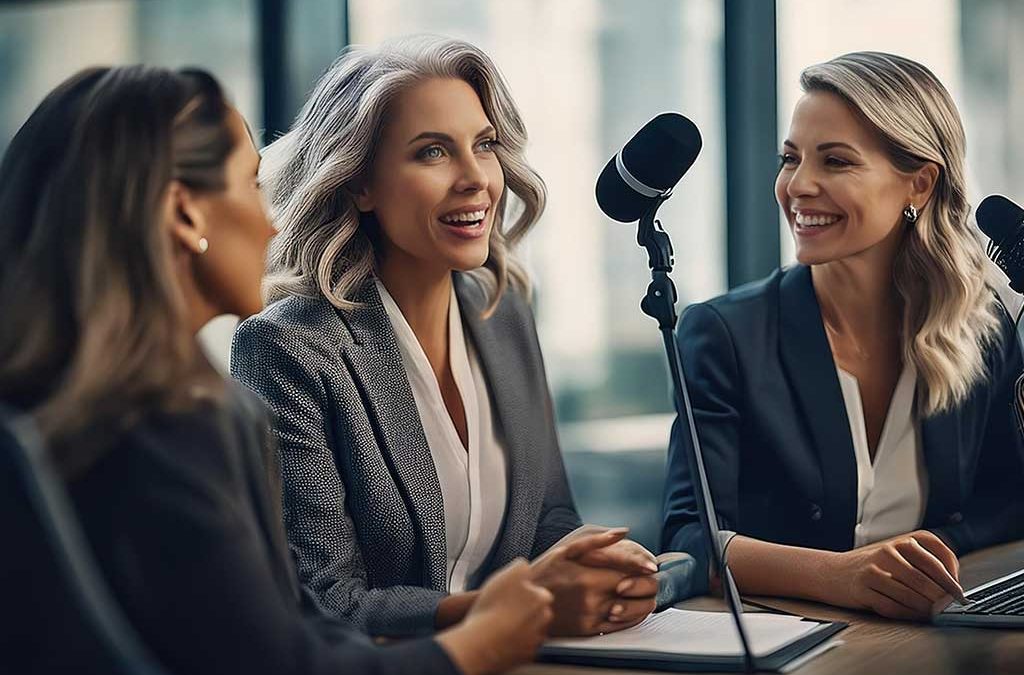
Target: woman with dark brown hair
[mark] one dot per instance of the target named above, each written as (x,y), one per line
(130,215)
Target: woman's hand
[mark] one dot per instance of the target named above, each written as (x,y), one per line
(506,624)
(900,578)
(597,590)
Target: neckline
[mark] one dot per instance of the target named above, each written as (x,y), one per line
(900,406)
(458,357)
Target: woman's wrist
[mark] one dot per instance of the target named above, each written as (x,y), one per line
(452,609)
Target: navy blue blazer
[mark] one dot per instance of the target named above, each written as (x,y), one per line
(776,439)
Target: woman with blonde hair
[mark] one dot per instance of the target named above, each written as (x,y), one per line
(418,442)
(855,408)
(131,216)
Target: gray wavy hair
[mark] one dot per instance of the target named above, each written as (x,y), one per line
(325,246)
(950,315)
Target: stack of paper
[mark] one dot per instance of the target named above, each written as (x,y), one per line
(680,639)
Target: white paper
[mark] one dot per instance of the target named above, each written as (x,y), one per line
(689,632)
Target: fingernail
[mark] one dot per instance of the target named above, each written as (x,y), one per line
(650,567)
(624,586)
(616,610)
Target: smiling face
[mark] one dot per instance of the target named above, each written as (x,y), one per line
(436,181)
(840,192)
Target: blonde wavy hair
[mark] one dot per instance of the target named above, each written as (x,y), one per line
(325,246)
(950,315)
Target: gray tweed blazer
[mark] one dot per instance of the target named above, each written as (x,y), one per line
(362,503)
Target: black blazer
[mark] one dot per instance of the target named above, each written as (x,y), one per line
(776,439)
(362,502)
(180,516)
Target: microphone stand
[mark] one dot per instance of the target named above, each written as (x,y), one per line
(659,304)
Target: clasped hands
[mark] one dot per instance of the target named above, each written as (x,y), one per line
(601,582)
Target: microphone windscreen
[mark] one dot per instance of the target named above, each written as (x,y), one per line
(999,218)
(657,156)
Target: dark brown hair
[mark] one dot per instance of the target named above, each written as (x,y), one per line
(94,330)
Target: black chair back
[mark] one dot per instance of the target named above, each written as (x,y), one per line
(57,613)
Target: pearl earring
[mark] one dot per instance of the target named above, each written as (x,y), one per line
(204,244)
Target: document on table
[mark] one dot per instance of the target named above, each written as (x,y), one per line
(680,639)
(682,631)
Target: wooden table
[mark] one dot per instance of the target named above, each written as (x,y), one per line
(877,646)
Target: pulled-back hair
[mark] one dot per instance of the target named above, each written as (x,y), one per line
(950,315)
(95,328)
(325,246)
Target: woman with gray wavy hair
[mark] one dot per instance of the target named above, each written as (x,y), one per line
(857,407)
(418,443)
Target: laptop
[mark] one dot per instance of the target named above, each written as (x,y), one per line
(996,604)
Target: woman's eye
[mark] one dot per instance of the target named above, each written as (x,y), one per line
(786,159)
(488,145)
(431,152)
(837,161)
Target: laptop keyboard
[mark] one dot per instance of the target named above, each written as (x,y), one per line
(1004,598)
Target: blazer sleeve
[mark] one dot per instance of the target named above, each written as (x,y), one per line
(289,375)
(994,507)
(173,518)
(712,375)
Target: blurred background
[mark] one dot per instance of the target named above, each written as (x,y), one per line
(586,74)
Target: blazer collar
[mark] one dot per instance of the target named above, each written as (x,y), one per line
(510,386)
(807,360)
(375,361)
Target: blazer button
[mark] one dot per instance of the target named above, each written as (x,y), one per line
(956,518)
(815,512)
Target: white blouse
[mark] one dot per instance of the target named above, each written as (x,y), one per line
(892,490)
(474,482)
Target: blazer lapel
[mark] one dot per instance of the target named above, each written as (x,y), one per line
(940,436)
(807,359)
(508,387)
(375,360)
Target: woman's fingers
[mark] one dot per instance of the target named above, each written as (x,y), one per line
(931,543)
(904,572)
(630,611)
(923,559)
(885,583)
(637,587)
(590,542)
(626,556)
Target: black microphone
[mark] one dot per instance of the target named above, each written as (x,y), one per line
(648,166)
(631,187)
(1002,221)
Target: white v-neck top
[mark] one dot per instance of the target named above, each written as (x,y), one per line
(892,490)
(474,481)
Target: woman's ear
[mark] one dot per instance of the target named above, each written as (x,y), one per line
(362,196)
(186,219)
(923,184)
